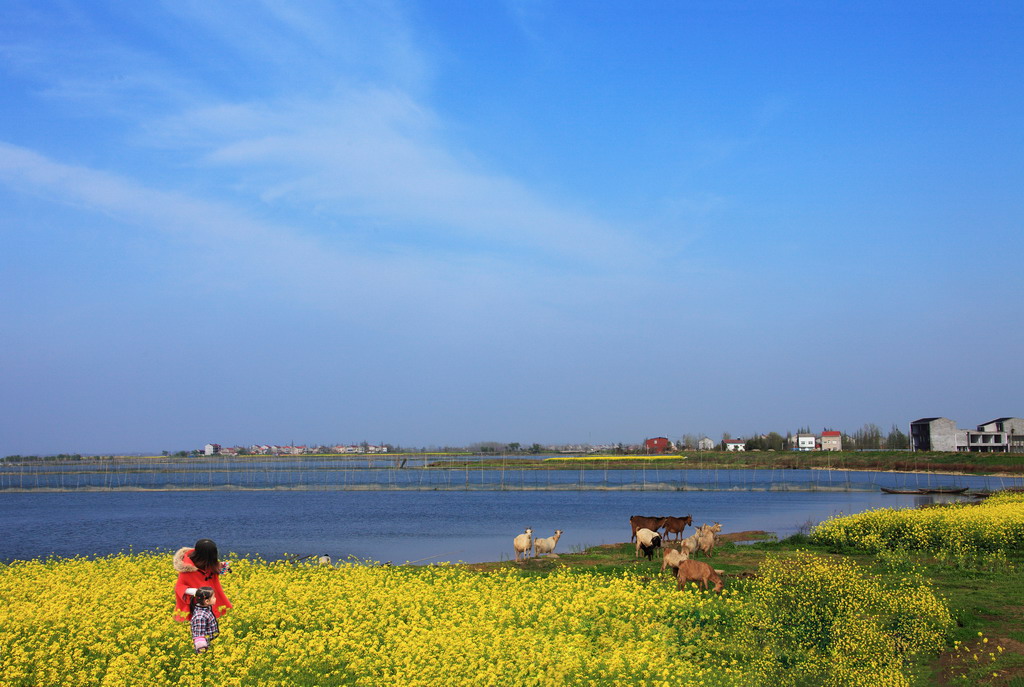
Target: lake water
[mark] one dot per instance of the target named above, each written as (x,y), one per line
(408,473)
(423,526)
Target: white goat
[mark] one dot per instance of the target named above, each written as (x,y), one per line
(647,540)
(522,544)
(706,539)
(546,545)
(692,543)
(671,558)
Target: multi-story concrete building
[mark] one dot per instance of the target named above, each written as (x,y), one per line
(1004,434)
(937,434)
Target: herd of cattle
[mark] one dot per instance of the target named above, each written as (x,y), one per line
(649,533)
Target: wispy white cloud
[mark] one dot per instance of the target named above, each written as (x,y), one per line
(379,214)
(526,14)
(141,207)
(313,45)
(340,126)
(381,155)
(436,288)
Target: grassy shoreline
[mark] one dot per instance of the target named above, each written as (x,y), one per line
(879,461)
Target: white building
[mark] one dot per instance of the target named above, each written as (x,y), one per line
(806,442)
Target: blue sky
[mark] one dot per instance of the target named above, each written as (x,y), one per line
(431,223)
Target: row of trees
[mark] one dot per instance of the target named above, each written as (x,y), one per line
(870,437)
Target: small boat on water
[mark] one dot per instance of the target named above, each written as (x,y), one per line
(933,490)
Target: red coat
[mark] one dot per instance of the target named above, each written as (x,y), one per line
(191,576)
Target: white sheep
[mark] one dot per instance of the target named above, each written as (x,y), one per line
(648,540)
(546,545)
(522,543)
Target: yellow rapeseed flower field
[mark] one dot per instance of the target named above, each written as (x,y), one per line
(825,621)
(994,527)
(107,621)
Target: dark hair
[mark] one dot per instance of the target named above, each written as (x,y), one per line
(204,557)
(202,594)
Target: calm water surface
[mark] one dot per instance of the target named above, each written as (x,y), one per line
(395,473)
(396,526)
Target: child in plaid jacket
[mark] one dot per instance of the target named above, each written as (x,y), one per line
(203,621)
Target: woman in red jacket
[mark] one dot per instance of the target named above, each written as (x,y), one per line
(198,567)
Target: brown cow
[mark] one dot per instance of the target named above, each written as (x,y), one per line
(699,572)
(676,525)
(637,522)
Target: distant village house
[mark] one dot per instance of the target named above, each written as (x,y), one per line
(805,442)
(657,445)
(831,441)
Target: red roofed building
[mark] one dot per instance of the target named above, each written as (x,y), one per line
(657,445)
(831,441)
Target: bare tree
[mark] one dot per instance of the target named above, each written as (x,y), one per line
(897,439)
(868,437)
